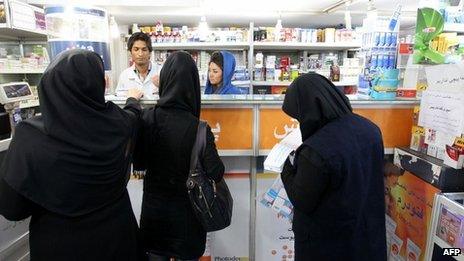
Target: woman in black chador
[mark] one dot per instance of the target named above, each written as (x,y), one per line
(336,180)
(169,226)
(68,168)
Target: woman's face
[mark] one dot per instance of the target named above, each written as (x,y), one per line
(214,74)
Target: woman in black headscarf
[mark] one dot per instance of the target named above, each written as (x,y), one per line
(68,168)
(336,180)
(169,226)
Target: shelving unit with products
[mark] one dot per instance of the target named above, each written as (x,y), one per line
(282,55)
(295,52)
(23,49)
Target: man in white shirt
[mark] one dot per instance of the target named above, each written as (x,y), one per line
(143,74)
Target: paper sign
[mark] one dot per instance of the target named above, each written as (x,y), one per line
(442,111)
(447,77)
(279,153)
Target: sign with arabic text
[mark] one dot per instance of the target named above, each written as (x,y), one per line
(274,125)
(395,124)
(232,127)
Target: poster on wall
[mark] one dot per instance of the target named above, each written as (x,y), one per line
(72,27)
(101,48)
(409,203)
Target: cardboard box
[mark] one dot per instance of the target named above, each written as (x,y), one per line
(454,157)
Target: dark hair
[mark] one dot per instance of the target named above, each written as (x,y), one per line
(139,36)
(217,58)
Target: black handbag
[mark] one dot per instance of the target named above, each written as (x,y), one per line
(211,201)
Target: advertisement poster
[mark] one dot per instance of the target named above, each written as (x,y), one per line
(71,27)
(409,203)
(101,48)
(274,235)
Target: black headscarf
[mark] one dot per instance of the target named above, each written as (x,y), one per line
(314,101)
(180,84)
(73,159)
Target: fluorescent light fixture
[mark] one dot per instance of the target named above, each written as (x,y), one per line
(339,4)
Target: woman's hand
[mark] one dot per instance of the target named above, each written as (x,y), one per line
(134,93)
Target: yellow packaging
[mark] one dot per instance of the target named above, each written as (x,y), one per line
(418,130)
(459,142)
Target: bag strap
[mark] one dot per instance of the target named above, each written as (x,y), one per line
(199,146)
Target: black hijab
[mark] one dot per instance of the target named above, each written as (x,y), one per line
(314,101)
(74,158)
(180,84)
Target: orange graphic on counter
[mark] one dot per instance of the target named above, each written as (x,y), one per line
(395,124)
(232,127)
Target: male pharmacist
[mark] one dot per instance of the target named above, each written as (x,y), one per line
(143,74)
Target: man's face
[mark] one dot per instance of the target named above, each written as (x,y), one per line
(140,53)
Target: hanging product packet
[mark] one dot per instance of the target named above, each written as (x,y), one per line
(276,199)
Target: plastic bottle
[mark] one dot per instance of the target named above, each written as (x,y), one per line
(394,18)
(377,39)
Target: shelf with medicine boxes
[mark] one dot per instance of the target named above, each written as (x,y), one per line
(280,55)
(23,58)
(300,53)
(20,21)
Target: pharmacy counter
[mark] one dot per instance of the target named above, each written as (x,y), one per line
(250,125)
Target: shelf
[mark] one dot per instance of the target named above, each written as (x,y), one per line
(452,27)
(304,46)
(20,34)
(201,46)
(286,83)
(22,71)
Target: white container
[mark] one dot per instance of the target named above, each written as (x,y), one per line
(330,35)
(259,60)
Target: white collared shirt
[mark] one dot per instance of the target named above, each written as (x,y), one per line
(129,78)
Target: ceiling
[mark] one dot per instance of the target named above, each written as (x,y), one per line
(294,13)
